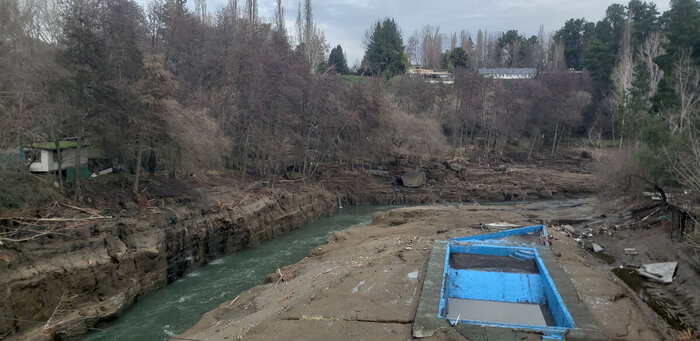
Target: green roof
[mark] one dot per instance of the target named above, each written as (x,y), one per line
(52,145)
(93,152)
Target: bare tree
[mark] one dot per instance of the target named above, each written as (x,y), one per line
(647,52)
(623,72)
(233,6)
(431,46)
(687,87)
(310,37)
(201,10)
(686,163)
(413,48)
(479,51)
(279,17)
(622,76)
(252,10)
(558,62)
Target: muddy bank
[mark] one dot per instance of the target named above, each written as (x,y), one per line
(366,281)
(96,271)
(99,271)
(461,182)
(674,306)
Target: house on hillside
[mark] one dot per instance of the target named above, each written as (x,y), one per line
(433,76)
(43,158)
(509,73)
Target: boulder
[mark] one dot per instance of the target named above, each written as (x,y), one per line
(292,175)
(455,165)
(500,168)
(380,173)
(413,179)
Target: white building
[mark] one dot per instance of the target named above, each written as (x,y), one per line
(43,157)
(432,76)
(509,73)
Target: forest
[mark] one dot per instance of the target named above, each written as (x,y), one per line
(170,89)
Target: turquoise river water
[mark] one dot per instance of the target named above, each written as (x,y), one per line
(178,306)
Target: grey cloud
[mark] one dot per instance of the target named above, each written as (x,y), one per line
(344,21)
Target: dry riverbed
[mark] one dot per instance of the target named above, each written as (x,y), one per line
(365,283)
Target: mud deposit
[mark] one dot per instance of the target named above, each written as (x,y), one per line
(364,283)
(659,306)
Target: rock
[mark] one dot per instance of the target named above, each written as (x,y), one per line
(569,228)
(380,173)
(596,248)
(630,251)
(292,175)
(455,166)
(436,174)
(413,179)
(500,168)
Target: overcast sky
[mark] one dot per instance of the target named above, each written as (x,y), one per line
(344,21)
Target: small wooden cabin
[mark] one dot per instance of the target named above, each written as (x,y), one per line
(43,157)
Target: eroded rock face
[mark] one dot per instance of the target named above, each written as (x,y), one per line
(101,275)
(413,179)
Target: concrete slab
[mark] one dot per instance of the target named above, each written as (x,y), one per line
(323,330)
(499,312)
(379,293)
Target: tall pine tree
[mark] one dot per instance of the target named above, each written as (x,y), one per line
(385,49)
(337,60)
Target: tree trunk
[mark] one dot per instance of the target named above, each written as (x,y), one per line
(135,190)
(554,142)
(60,165)
(532,146)
(76,169)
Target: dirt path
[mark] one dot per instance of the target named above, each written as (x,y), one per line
(365,283)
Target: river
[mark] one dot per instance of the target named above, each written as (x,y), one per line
(178,306)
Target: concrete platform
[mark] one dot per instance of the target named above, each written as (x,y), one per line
(427,320)
(499,312)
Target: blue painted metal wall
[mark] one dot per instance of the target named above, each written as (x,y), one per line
(491,237)
(508,287)
(556,305)
(495,286)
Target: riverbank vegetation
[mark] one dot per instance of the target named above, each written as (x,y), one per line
(171,90)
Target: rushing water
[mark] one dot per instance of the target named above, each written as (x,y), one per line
(178,306)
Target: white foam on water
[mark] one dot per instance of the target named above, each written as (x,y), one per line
(217,261)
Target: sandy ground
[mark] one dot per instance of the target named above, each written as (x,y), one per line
(365,283)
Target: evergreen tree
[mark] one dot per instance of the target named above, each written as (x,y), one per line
(598,59)
(574,35)
(646,21)
(682,27)
(385,49)
(458,58)
(337,59)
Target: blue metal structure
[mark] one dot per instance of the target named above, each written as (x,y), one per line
(527,287)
